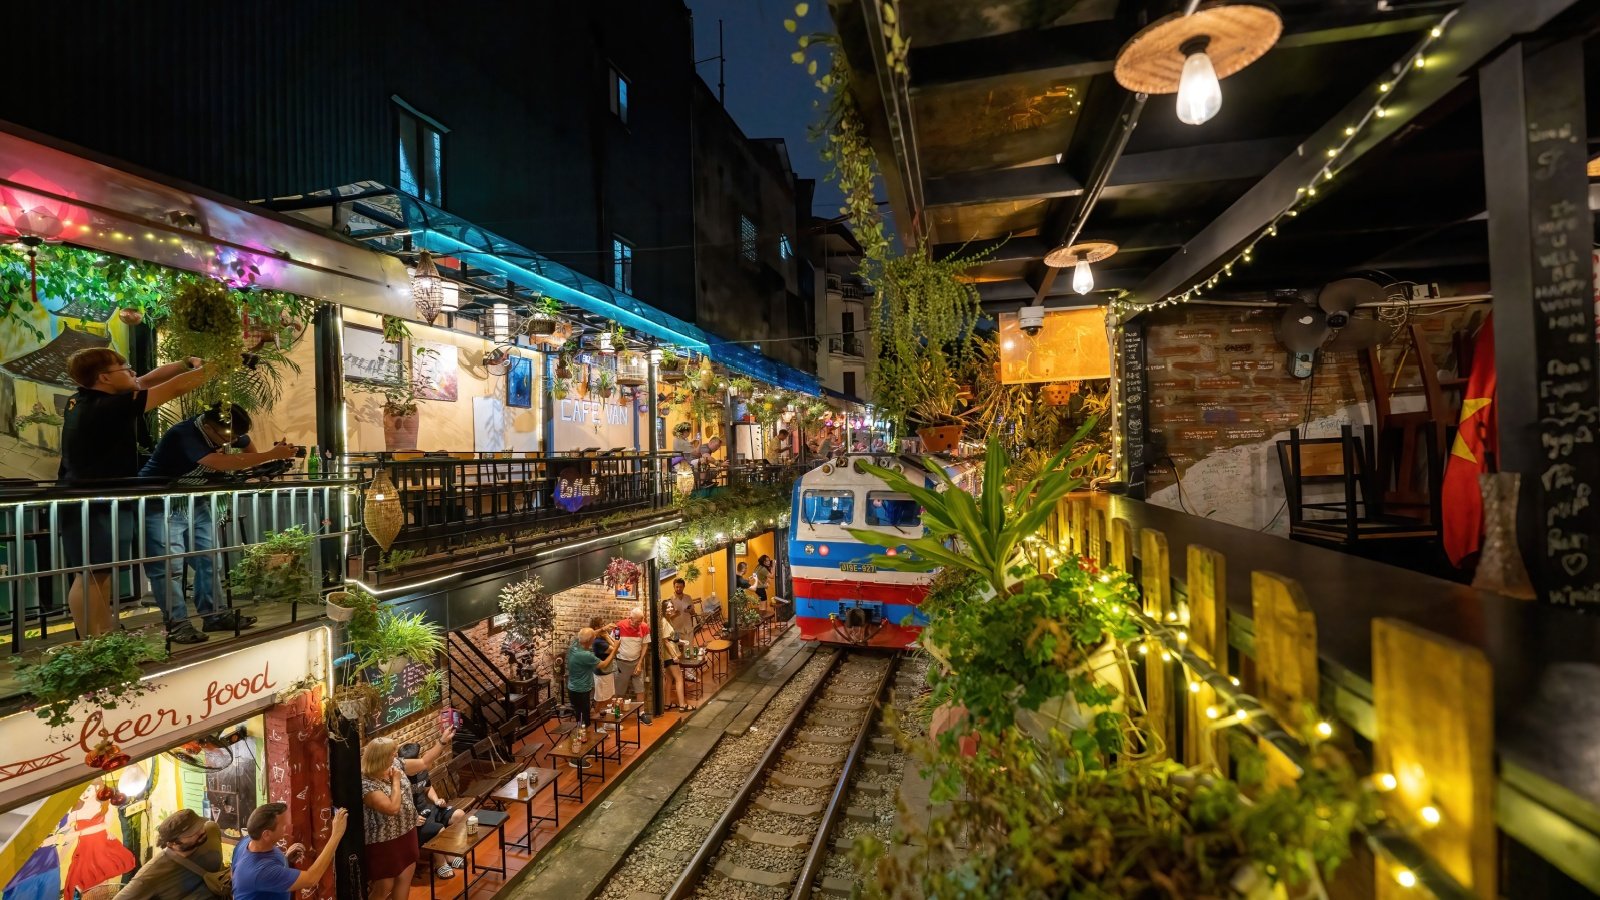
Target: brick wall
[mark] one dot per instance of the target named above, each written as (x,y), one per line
(1220,396)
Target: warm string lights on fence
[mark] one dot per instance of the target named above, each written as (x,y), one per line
(1334,161)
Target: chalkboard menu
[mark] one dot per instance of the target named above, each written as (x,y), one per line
(401,701)
(1557,451)
(1130,362)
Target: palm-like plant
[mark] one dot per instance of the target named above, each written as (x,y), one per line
(989,528)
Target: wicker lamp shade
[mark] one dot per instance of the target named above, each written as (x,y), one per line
(427,288)
(1594,167)
(382,510)
(1237,34)
(1083,251)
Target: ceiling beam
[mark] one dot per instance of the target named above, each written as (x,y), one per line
(1478,29)
(1018,289)
(1160,235)
(1087,49)
(1204,162)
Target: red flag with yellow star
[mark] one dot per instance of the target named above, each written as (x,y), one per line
(1460,499)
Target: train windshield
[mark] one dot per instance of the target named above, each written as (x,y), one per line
(892,509)
(828,507)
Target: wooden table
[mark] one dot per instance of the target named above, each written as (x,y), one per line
(630,709)
(454,841)
(562,751)
(718,651)
(515,791)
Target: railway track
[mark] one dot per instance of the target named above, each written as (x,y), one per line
(769,835)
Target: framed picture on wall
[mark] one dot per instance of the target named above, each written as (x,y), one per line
(519,382)
(368,358)
(741,549)
(435,365)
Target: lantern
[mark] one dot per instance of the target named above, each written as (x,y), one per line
(382,511)
(427,288)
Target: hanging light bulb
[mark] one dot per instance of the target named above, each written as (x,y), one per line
(1199,91)
(1082,277)
(450,297)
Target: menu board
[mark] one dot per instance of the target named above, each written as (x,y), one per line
(1568,392)
(1130,362)
(402,699)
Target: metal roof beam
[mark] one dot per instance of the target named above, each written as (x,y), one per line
(1087,49)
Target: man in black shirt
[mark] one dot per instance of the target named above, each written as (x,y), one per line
(99,441)
(195,447)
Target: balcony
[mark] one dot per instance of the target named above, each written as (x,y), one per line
(851,293)
(206,545)
(848,345)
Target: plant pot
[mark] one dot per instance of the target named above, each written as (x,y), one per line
(339,613)
(352,708)
(563,370)
(541,323)
(1064,713)
(400,432)
(1057,394)
(130,316)
(940,438)
(747,418)
(394,666)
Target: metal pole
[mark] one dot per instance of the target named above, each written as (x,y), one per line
(655,440)
(733,615)
(652,577)
(327,332)
(722,69)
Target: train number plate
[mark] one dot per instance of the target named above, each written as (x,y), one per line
(857,567)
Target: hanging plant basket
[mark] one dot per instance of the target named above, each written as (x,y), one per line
(1059,393)
(563,368)
(672,372)
(382,512)
(541,322)
(336,609)
(131,316)
(940,438)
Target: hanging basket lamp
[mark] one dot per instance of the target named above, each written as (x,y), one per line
(427,288)
(1189,55)
(382,511)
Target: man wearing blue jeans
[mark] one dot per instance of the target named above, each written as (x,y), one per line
(182,523)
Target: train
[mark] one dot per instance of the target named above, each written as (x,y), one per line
(840,596)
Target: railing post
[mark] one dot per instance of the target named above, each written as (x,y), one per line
(732,616)
(652,580)
(1207,579)
(1155,583)
(1434,701)
(1285,657)
(654,412)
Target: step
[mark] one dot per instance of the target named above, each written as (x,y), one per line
(771,838)
(755,876)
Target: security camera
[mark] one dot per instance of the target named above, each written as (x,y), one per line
(1031,320)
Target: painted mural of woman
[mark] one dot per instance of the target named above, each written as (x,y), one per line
(95,856)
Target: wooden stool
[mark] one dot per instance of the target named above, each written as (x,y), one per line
(693,689)
(718,651)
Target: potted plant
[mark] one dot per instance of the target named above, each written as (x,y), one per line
(432,687)
(399,640)
(206,321)
(531,610)
(935,411)
(742,608)
(100,673)
(621,574)
(671,367)
(277,569)
(398,391)
(605,384)
(543,315)
(560,388)
(740,386)
(354,700)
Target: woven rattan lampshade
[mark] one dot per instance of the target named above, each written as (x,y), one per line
(1236,34)
(1594,167)
(427,288)
(381,510)
(1083,251)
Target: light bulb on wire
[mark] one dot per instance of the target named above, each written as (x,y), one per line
(1199,91)
(1082,277)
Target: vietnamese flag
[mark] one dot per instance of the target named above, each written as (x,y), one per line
(1460,499)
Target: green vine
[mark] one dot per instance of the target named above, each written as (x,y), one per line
(206,322)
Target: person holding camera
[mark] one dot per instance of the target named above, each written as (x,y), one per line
(193,449)
(263,872)
(433,814)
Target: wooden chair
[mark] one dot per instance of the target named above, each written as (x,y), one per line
(1413,442)
(1357,516)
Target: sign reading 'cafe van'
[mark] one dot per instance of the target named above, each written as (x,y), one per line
(187,701)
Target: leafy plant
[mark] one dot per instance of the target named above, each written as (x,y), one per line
(532,612)
(743,608)
(363,626)
(431,688)
(101,672)
(399,637)
(396,330)
(206,321)
(544,304)
(395,559)
(1050,819)
(277,569)
(742,386)
(560,388)
(606,383)
(670,358)
(990,528)
(620,574)
(689,571)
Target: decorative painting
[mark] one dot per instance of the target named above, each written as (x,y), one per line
(437,370)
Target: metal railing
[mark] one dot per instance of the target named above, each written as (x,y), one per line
(459,506)
(849,345)
(160,550)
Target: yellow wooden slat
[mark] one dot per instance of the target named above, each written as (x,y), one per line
(1155,583)
(1285,657)
(1097,535)
(1121,545)
(1207,580)
(1435,720)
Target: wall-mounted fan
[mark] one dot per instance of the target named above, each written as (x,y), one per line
(1329,319)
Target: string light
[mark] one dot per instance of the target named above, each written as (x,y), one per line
(1406,877)
(1324,729)
(1120,307)
(1387,782)
(1212,712)
(1194,687)
(1430,815)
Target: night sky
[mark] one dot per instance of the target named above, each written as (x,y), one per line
(767,94)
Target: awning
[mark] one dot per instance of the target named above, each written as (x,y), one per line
(386,218)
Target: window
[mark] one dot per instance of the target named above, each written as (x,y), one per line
(785,249)
(827,507)
(621,265)
(897,510)
(747,239)
(420,154)
(619,95)
(850,384)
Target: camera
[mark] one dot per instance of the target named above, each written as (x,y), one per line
(1031,320)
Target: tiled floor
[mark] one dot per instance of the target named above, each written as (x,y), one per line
(515,858)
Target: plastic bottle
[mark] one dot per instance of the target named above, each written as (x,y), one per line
(313,462)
